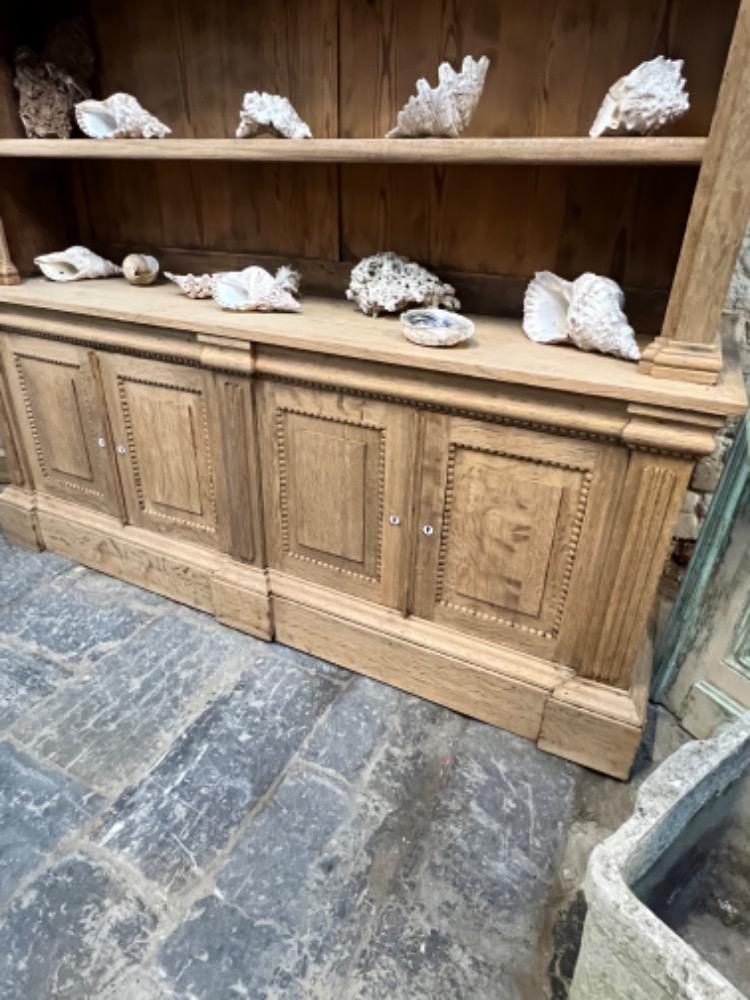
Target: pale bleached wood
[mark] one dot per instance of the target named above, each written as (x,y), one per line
(499,352)
(717,222)
(655,150)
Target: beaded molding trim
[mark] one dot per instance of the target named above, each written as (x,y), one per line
(571,546)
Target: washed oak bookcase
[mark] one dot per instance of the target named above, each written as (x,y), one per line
(483,526)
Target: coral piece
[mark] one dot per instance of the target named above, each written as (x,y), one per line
(118,117)
(388,282)
(8,271)
(195,286)
(435,327)
(48,85)
(255,290)
(648,98)
(75,264)
(444,110)
(587,312)
(140,269)
(270,115)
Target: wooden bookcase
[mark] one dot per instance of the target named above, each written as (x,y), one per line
(282,471)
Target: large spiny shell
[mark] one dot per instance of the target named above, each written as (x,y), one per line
(255,290)
(444,110)
(270,115)
(586,312)
(118,117)
(75,264)
(388,282)
(648,98)
(195,286)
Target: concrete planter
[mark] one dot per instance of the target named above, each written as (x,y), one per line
(627,952)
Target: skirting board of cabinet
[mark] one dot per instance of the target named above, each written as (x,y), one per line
(583,721)
(210,581)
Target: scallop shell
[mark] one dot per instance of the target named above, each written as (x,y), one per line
(75,264)
(388,282)
(648,98)
(596,321)
(545,308)
(435,327)
(270,115)
(140,269)
(255,290)
(195,286)
(118,117)
(444,110)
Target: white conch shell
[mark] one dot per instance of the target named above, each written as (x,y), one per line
(118,117)
(140,269)
(434,327)
(255,290)
(388,282)
(75,264)
(270,115)
(648,98)
(586,312)
(545,308)
(195,286)
(444,110)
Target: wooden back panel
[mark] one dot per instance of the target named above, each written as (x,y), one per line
(348,66)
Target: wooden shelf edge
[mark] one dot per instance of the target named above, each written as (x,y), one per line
(656,150)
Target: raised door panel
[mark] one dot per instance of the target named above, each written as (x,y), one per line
(166,440)
(511,520)
(61,415)
(337,482)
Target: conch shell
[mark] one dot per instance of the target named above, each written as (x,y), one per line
(140,269)
(586,312)
(118,117)
(270,115)
(195,286)
(435,327)
(255,290)
(75,264)
(648,98)
(388,282)
(444,110)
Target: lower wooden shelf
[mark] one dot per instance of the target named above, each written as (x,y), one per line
(535,698)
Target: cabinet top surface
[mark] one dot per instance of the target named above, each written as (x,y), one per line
(499,351)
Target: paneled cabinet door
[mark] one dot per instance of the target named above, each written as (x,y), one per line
(167,444)
(512,523)
(61,417)
(337,479)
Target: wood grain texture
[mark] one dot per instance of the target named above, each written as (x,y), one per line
(720,211)
(654,150)
(499,352)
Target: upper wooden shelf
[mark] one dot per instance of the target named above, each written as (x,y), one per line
(499,351)
(652,149)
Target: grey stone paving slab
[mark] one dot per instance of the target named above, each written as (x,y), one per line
(308,662)
(110,723)
(38,807)
(428,879)
(175,823)
(71,934)
(78,615)
(25,679)
(21,570)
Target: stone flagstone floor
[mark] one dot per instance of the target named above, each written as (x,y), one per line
(187,813)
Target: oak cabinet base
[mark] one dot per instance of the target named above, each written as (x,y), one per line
(522,693)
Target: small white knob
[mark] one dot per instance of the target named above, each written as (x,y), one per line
(428,530)
(121,449)
(395,520)
(101,442)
